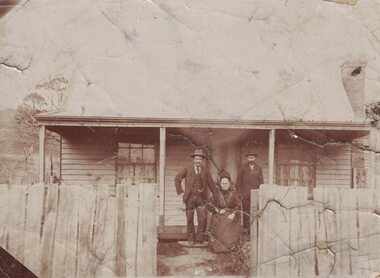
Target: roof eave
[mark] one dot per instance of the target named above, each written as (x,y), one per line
(61,120)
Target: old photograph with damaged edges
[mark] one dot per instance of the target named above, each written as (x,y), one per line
(161,138)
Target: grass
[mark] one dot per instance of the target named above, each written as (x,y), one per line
(13,166)
(14,169)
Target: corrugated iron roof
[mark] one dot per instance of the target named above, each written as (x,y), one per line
(167,61)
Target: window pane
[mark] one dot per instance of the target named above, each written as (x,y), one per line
(148,155)
(123,145)
(147,173)
(295,175)
(136,154)
(125,172)
(138,173)
(123,154)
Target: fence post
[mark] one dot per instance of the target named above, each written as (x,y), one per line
(120,266)
(48,230)
(141,243)
(41,174)
(147,238)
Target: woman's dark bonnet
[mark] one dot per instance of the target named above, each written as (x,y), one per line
(224,174)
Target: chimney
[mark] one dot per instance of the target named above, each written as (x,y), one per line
(353,73)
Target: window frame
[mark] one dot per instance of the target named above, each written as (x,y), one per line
(138,163)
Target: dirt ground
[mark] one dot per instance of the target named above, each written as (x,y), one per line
(174,259)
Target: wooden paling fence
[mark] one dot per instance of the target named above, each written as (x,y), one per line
(336,233)
(80,231)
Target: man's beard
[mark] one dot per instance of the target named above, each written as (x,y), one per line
(251,162)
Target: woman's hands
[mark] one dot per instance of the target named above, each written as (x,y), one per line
(231,216)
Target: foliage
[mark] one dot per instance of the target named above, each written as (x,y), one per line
(56,89)
(26,113)
(46,96)
(373,113)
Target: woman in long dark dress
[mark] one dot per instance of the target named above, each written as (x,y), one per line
(225,226)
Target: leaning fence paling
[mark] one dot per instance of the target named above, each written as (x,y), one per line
(336,233)
(80,231)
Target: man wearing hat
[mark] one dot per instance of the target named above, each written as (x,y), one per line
(250,176)
(197,180)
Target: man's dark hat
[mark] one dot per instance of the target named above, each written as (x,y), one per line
(198,152)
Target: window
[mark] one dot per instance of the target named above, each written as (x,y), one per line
(136,163)
(296,173)
(296,165)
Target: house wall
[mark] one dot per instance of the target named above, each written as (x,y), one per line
(332,163)
(333,167)
(92,161)
(177,157)
(86,162)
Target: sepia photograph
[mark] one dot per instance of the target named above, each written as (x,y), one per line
(189,138)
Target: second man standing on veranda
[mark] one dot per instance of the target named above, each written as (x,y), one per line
(250,176)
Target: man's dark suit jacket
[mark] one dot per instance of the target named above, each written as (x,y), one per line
(188,173)
(248,179)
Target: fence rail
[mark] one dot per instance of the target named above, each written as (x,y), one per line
(80,231)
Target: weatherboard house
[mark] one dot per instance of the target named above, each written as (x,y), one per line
(140,101)
(136,145)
